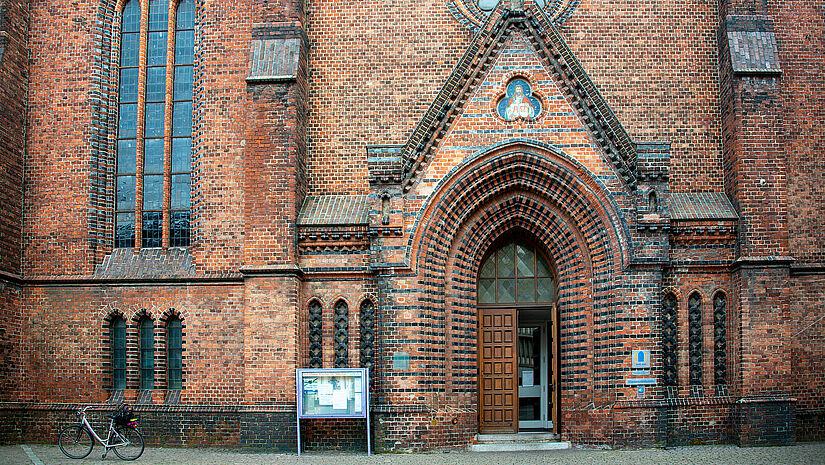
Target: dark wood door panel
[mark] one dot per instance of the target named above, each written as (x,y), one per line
(499,394)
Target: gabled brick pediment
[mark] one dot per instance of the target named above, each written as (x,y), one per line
(558,61)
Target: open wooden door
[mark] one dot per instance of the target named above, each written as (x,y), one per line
(498,410)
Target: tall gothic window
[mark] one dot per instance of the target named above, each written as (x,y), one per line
(147,354)
(155,125)
(174,359)
(367,334)
(341,334)
(117,334)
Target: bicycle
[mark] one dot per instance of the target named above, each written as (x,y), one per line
(77,441)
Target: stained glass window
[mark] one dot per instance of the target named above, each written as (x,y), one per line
(182,124)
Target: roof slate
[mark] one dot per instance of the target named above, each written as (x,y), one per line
(147,263)
(274,59)
(752,44)
(334,210)
(701,206)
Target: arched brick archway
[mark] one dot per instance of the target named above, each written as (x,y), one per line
(541,193)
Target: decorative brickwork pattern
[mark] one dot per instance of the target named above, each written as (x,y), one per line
(720,343)
(316,351)
(669,340)
(568,74)
(367,334)
(695,338)
(341,334)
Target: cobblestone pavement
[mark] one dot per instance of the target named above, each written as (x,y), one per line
(800,454)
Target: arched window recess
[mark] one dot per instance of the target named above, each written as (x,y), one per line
(516,272)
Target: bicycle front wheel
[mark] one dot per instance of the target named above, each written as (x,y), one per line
(76,442)
(134,443)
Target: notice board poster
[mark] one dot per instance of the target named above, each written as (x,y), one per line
(332,393)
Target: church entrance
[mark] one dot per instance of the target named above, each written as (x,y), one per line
(518,340)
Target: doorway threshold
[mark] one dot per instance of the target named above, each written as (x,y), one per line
(514,442)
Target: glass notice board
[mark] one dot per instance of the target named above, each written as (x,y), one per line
(332,393)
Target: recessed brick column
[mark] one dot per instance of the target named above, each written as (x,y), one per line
(14,71)
(274,160)
(755,179)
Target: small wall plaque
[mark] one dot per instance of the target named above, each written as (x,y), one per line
(401,361)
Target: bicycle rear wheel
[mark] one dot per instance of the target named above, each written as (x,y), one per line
(75,441)
(135,445)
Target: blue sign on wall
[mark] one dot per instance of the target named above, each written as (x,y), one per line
(641,359)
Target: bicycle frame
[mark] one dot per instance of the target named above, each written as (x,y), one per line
(105,443)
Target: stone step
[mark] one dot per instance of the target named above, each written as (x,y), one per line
(518,437)
(520,446)
(518,442)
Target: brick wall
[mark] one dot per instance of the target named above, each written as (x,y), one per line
(14,74)
(799,28)
(66,355)
(660,79)
(10,335)
(366,75)
(194,426)
(60,134)
(655,64)
(808,356)
(13,86)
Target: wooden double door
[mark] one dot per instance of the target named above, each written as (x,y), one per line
(518,383)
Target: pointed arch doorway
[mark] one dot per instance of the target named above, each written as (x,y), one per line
(517,339)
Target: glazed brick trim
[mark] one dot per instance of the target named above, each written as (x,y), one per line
(675,402)
(538,167)
(585,276)
(471,70)
(470,15)
(103,131)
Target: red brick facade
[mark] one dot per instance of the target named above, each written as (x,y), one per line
(349,156)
